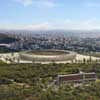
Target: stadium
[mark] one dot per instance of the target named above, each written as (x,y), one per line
(43,56)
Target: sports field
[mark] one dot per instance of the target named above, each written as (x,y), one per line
(48,52)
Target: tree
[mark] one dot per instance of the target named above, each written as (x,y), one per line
(84,60)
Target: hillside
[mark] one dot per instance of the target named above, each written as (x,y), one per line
(4,38)
(34,82)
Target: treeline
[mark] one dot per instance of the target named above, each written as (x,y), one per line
(6,50)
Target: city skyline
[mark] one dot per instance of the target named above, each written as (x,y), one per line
(50,14)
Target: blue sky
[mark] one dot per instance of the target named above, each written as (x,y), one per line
(50,14)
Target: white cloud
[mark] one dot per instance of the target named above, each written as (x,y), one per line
(91,24)
(43,26)
(45,4)
(93,4)
(38,3)
(25,2)
(83,25)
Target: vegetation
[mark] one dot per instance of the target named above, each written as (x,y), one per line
(95,54)
(4,38)
(33,82)
(1,62)
(6,50)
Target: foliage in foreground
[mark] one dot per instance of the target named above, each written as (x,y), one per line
(66,92)
(31,82)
